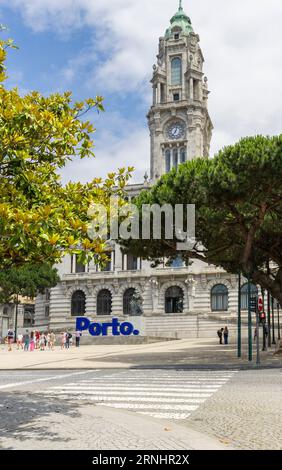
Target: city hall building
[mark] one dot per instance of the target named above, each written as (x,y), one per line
(175,301)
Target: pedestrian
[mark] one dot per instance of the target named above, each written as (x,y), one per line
(255,334)
(36,339)
(26,340)
(10,336)
(77,335)
(226,335)
(42,342)
(67,340)
(20,341)
(48,338)
(220,334)
(63,340)
(32,341)
(52,340)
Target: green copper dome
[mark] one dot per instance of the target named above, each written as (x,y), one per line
(181,20)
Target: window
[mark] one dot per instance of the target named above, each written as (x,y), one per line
(128,302)
(162,93)
(78,304)
(79,267)
(167,161)
(47,295)
(104,302)
(176,36)
(107,266)
(47,311)
(177,262)
(132,263)
(175,158)
(244,295)
(174,297)
(176,97)
(183,155)
(219,298)
(176,71)
(29,315)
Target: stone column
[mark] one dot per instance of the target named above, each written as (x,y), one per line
(191,89)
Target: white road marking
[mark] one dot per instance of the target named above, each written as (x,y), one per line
(140,399)
(151,406)
(176,416)
(129,393)
(157,394)
(45,379)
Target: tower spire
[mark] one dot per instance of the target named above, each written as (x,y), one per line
(180,5)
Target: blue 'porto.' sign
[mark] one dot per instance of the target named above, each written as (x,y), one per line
(102,329)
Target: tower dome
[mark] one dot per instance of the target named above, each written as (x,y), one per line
(180,21)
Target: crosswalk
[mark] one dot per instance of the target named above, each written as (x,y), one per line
(158,393)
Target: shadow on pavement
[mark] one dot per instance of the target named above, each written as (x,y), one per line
(22,417)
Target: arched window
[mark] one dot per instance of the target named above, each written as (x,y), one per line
(176,71)
(104,302)
(182,155)
(244,295)
(167,161)
(175,158)
(128,301)
(174,297)
(219,298)
(78,304)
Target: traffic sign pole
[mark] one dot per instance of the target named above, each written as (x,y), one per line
(250,342)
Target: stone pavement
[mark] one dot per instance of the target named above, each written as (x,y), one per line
(183,353)
(246,412)
(93,409)
(30,422)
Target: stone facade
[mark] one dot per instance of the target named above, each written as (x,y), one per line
(180,130)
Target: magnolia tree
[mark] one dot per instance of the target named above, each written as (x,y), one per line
(238,199)
(40,219)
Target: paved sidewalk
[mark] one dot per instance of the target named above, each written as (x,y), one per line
(99,428)
(182,353)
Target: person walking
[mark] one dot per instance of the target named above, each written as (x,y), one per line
(67,342)
(42,342)
(20,341)
(26,341)
(32,341)
(77,335)
(220,335)
(10,336)
(52,340)
(226,335)
(63,340)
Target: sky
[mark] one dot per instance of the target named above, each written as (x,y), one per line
(108,48)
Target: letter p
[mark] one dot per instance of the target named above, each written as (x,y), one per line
(82,324)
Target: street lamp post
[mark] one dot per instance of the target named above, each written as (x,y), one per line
(273,321)
(250,342)
(16,318)
(264,345)
(239,317)
(278,319)
(268,310)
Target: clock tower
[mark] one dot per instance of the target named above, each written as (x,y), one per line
(179,122)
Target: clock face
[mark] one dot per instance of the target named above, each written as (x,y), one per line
(176,130)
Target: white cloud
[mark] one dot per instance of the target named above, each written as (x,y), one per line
(241,42)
